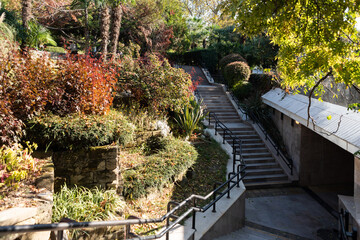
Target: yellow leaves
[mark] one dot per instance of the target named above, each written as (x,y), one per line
(329,117)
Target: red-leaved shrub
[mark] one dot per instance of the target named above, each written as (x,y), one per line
(30,85)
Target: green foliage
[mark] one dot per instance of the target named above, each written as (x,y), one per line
(236,72)
(39,35)
(189,118)
(16,164)
(242,90)
(154,84)
(77,131)
(315,37)
(159,169)
(83,205)
(233,57)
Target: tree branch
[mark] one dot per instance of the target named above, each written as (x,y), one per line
(310,95)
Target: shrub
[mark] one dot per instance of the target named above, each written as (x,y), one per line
(83,205)
(83,85)
(154,84)
(262,82)
(78,131)
(189,117)
(159,169)
(233,57)
(236,72)
(16,164)
(31,85)
(242,90)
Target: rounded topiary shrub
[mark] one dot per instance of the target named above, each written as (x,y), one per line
(242,90)
(233,57)
(262,82)
(236,72)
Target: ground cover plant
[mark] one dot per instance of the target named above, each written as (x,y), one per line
(85,205)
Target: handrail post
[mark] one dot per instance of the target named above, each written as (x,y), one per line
(194,215)
(214,197)
(238,176)
(224,135)
(60,234)
(228,185)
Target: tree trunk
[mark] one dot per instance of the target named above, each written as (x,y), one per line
(105,27)
(87,35)
(26,13)
(117,15)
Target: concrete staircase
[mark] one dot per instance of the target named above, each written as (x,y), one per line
(262,168)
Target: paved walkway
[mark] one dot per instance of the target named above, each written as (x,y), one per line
(284,213)
(197,76)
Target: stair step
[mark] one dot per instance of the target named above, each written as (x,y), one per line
(259,160)
(268,184)
(265,165)
(264,171)
(254,150)
(253,145)
(255,155)
(265,178)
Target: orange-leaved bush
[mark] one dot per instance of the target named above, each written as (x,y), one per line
(84,85)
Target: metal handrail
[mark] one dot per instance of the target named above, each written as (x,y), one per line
(236,141)
(288,161)
(230,183)
(344,234)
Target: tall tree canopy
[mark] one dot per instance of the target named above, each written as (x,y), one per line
(317,38)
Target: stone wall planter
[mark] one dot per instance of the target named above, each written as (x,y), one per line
(93,167)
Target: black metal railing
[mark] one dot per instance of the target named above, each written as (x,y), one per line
(234,141)
(234,179)
(219,126)
(288,161)
(345,233)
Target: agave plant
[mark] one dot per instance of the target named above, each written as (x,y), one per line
(189,118)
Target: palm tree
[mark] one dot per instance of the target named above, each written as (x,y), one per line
(26,12)
(117,12)
(104,30)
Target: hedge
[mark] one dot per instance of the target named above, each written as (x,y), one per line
(77,131)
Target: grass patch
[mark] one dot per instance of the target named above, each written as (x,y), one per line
(83,204)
